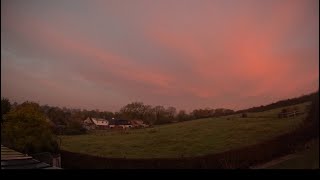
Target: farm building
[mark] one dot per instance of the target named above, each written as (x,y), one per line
(95,123)
(120,123)
(289,112)
(138,123)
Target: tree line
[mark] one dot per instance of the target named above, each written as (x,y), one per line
(69,120)
(281,103)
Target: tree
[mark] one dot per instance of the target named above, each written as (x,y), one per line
(137,110)
(14,105)
(171,112)
(182,115)
(27,130)
(202,113)
(149,116)
(74,127)
(5,107)
(133,110)
(160,115)
(228,111)
(57,116)
(219,112)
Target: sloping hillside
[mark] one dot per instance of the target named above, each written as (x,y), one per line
(192,138)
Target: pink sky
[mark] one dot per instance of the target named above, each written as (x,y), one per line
(98,54)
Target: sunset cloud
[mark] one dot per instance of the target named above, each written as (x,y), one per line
(104,54)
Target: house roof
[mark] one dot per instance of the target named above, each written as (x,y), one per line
(11,159)
(100,122)
(119,122)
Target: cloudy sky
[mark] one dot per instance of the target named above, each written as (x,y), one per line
(103,54)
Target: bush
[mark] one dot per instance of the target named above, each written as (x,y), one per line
(27,130)
(5,107)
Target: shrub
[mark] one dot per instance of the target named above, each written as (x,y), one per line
(27,130)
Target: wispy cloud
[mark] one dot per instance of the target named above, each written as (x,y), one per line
(199,54)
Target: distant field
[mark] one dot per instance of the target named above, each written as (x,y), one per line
(191,138)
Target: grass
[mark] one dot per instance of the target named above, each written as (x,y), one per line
(307,159)
(191,138)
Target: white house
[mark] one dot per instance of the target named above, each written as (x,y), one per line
(100,122)
(95,123)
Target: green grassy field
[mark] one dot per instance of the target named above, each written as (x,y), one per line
(191,138)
